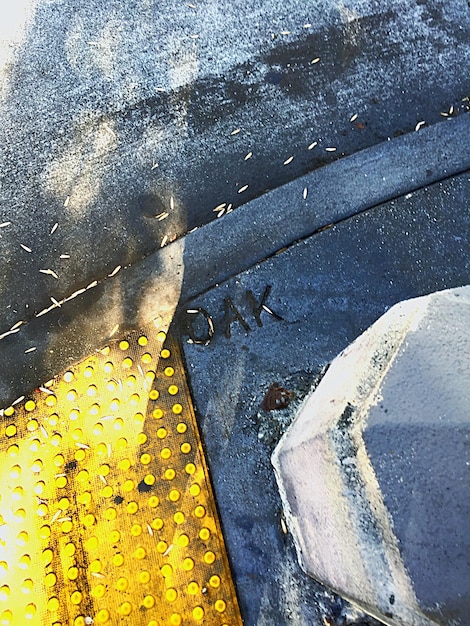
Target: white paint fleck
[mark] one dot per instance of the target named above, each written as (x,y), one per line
(242,189)
(289,160)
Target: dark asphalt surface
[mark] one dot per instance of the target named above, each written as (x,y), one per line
(328,289)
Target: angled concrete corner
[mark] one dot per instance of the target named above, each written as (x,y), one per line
(374,471)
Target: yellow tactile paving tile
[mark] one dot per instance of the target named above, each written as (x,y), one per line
(106,513)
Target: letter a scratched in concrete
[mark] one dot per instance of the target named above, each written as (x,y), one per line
(258,308)
(233,315)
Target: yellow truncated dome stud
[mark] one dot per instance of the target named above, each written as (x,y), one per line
(106,512)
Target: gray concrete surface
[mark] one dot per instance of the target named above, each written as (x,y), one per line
(328,289)
(109,110)
(69,328)
(374,474)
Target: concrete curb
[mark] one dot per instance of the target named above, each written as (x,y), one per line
(193,264)
(376,460)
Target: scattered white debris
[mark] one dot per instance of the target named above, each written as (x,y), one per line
(242,189)
(25,248)
(56,516)
(154,165)
(248,156)
(168,550)
(93,284)
(66,201)
(289,160)
(164,240)
(9,332)
(330,149)
(30,350)
(354,117)
(5,224)
(162,216)
(115,271)
(54,301)
(236,131)
(20,399)
(312,145)
(49,273)
(65,256)
(54,228)
(316,60)
(74,295)
(420,125)
(305,192)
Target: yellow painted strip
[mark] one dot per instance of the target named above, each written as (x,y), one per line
(106,511)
